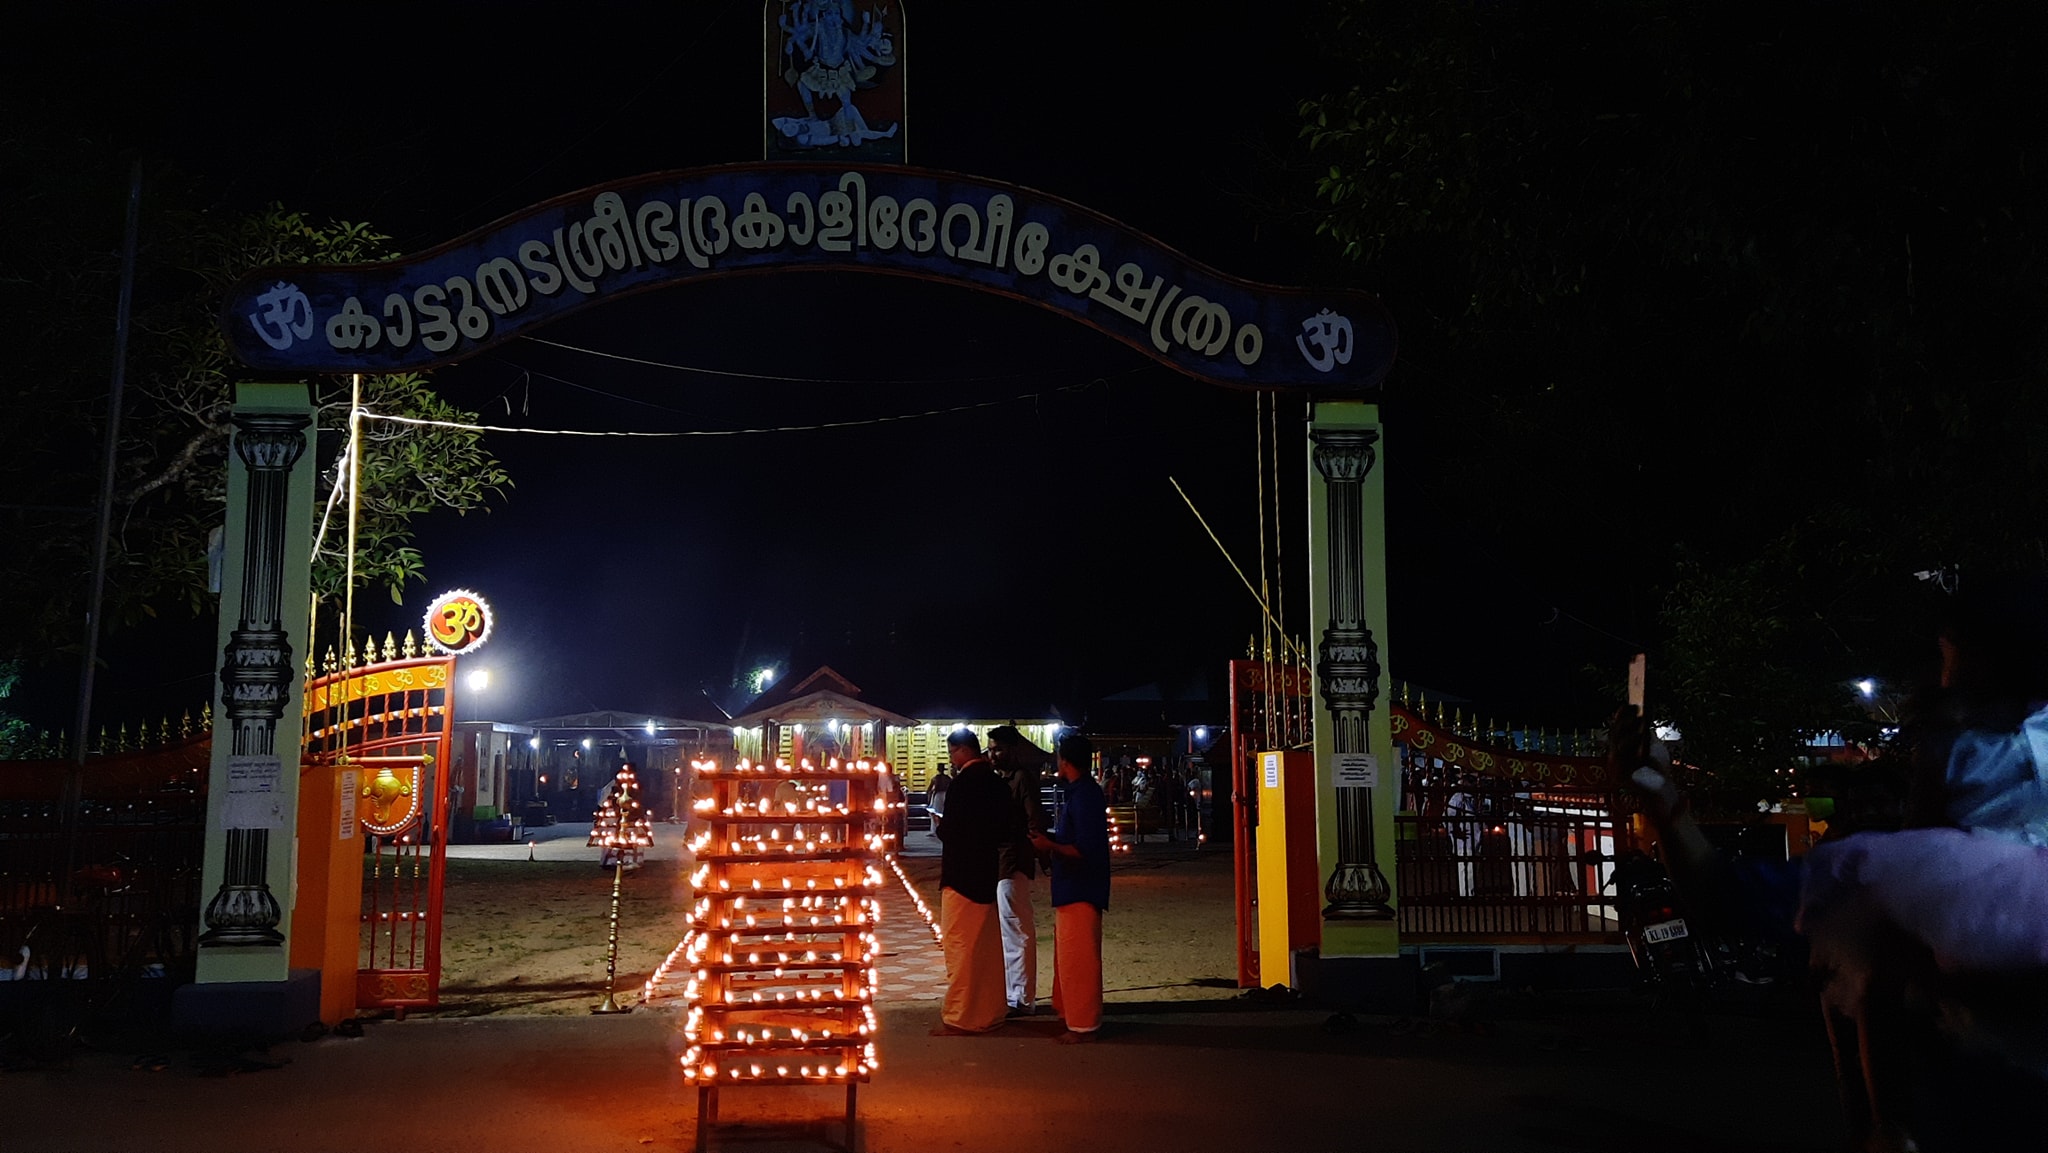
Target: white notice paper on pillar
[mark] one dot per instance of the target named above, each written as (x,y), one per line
(1358,771)
(253,799)
(1272,770)
(347,831)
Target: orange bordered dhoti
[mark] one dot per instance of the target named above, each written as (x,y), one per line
(973,941)
(1077,966)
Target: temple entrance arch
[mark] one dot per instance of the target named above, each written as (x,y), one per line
(607,242)
(576,251)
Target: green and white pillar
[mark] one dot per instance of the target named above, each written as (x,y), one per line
(1356,776)
(252,804)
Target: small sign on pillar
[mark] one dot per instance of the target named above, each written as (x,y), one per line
(1357,771)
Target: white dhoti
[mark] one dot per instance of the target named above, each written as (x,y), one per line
(1077,966)
(974,964)
(1020,941)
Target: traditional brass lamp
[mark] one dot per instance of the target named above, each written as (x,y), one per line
(624,828)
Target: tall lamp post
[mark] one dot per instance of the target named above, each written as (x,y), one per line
(625,829)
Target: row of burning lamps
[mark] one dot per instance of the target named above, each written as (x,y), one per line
(629,830)
(805,947)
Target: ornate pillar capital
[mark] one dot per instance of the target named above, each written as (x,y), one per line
(1344,455)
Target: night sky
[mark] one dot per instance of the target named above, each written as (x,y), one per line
(1024,553)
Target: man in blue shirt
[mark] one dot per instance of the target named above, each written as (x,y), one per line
(1079,847)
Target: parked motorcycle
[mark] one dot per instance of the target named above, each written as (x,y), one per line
(1671,955)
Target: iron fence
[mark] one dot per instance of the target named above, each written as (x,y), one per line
(131,908)
(1504,858)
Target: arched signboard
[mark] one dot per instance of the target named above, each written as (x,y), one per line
(605,242)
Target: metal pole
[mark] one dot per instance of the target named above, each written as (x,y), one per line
(611,959)
(74,781)
(355,495)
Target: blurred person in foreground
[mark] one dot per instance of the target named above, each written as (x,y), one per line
(1929,942)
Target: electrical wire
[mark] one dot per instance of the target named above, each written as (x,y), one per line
(1231,561)
(673,434)
(593,390)
(1265,623)
(731,374)
(333,498)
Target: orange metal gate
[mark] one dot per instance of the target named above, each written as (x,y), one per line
(384,726)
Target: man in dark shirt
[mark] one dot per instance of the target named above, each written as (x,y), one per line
(1019,763)
(977,809)
(1079,847)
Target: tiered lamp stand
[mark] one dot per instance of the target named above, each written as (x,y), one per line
(781,946)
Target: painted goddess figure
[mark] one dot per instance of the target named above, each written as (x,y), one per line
(826,58)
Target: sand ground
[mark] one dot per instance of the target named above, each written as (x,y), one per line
(529,937)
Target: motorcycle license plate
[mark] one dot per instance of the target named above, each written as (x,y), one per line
(1664,931)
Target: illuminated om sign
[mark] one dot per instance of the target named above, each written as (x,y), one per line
(458,622)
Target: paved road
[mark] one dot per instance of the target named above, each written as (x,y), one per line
(1221,1076)
(1583,1072)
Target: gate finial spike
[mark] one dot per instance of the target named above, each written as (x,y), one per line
(410,650)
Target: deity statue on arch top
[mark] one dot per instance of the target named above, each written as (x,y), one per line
(830,51)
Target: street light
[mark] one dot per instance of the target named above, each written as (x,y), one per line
(479,680)
(1867,687)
